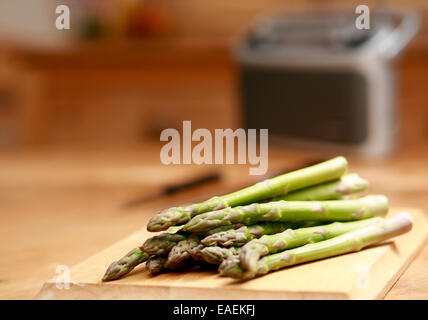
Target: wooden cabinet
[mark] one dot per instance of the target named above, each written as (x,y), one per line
(21,106)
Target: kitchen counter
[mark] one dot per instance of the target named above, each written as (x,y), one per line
(59,206)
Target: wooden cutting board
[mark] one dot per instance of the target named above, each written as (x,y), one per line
(367,274)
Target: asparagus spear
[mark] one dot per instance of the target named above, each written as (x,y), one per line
(157,245)
(162,243)
(216,255)
(125,265)
(244,234)
(348,242)
(174,229)
(291,211)
(156,264)
(196,253)
(250,253)
(349,185)
(231,267)
(219,229)
(180,253)
(280,185)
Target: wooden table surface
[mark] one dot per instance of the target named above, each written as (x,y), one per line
(59,206)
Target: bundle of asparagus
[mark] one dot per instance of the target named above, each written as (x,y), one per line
(304,215)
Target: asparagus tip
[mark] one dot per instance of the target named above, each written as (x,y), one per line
(114,271)
(168,218)
(404,221)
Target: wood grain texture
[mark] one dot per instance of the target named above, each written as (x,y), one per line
(367,274)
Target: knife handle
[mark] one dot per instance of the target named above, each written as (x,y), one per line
(174,188)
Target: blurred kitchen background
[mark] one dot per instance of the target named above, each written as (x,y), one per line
(128,69)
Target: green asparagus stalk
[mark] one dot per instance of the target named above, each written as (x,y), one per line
(250,253)
(216,255)
(196,253)
(162,243)
(238,237)
(291,211)
(219,229)
(280,185)
(180,253)
(231,267)
(348,186)
(156,264)
(174,229)
(348,242)
(125,265)
(157,245)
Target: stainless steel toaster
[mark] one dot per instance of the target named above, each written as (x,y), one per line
(314,79)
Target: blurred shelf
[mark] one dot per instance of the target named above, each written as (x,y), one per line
(150,53)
